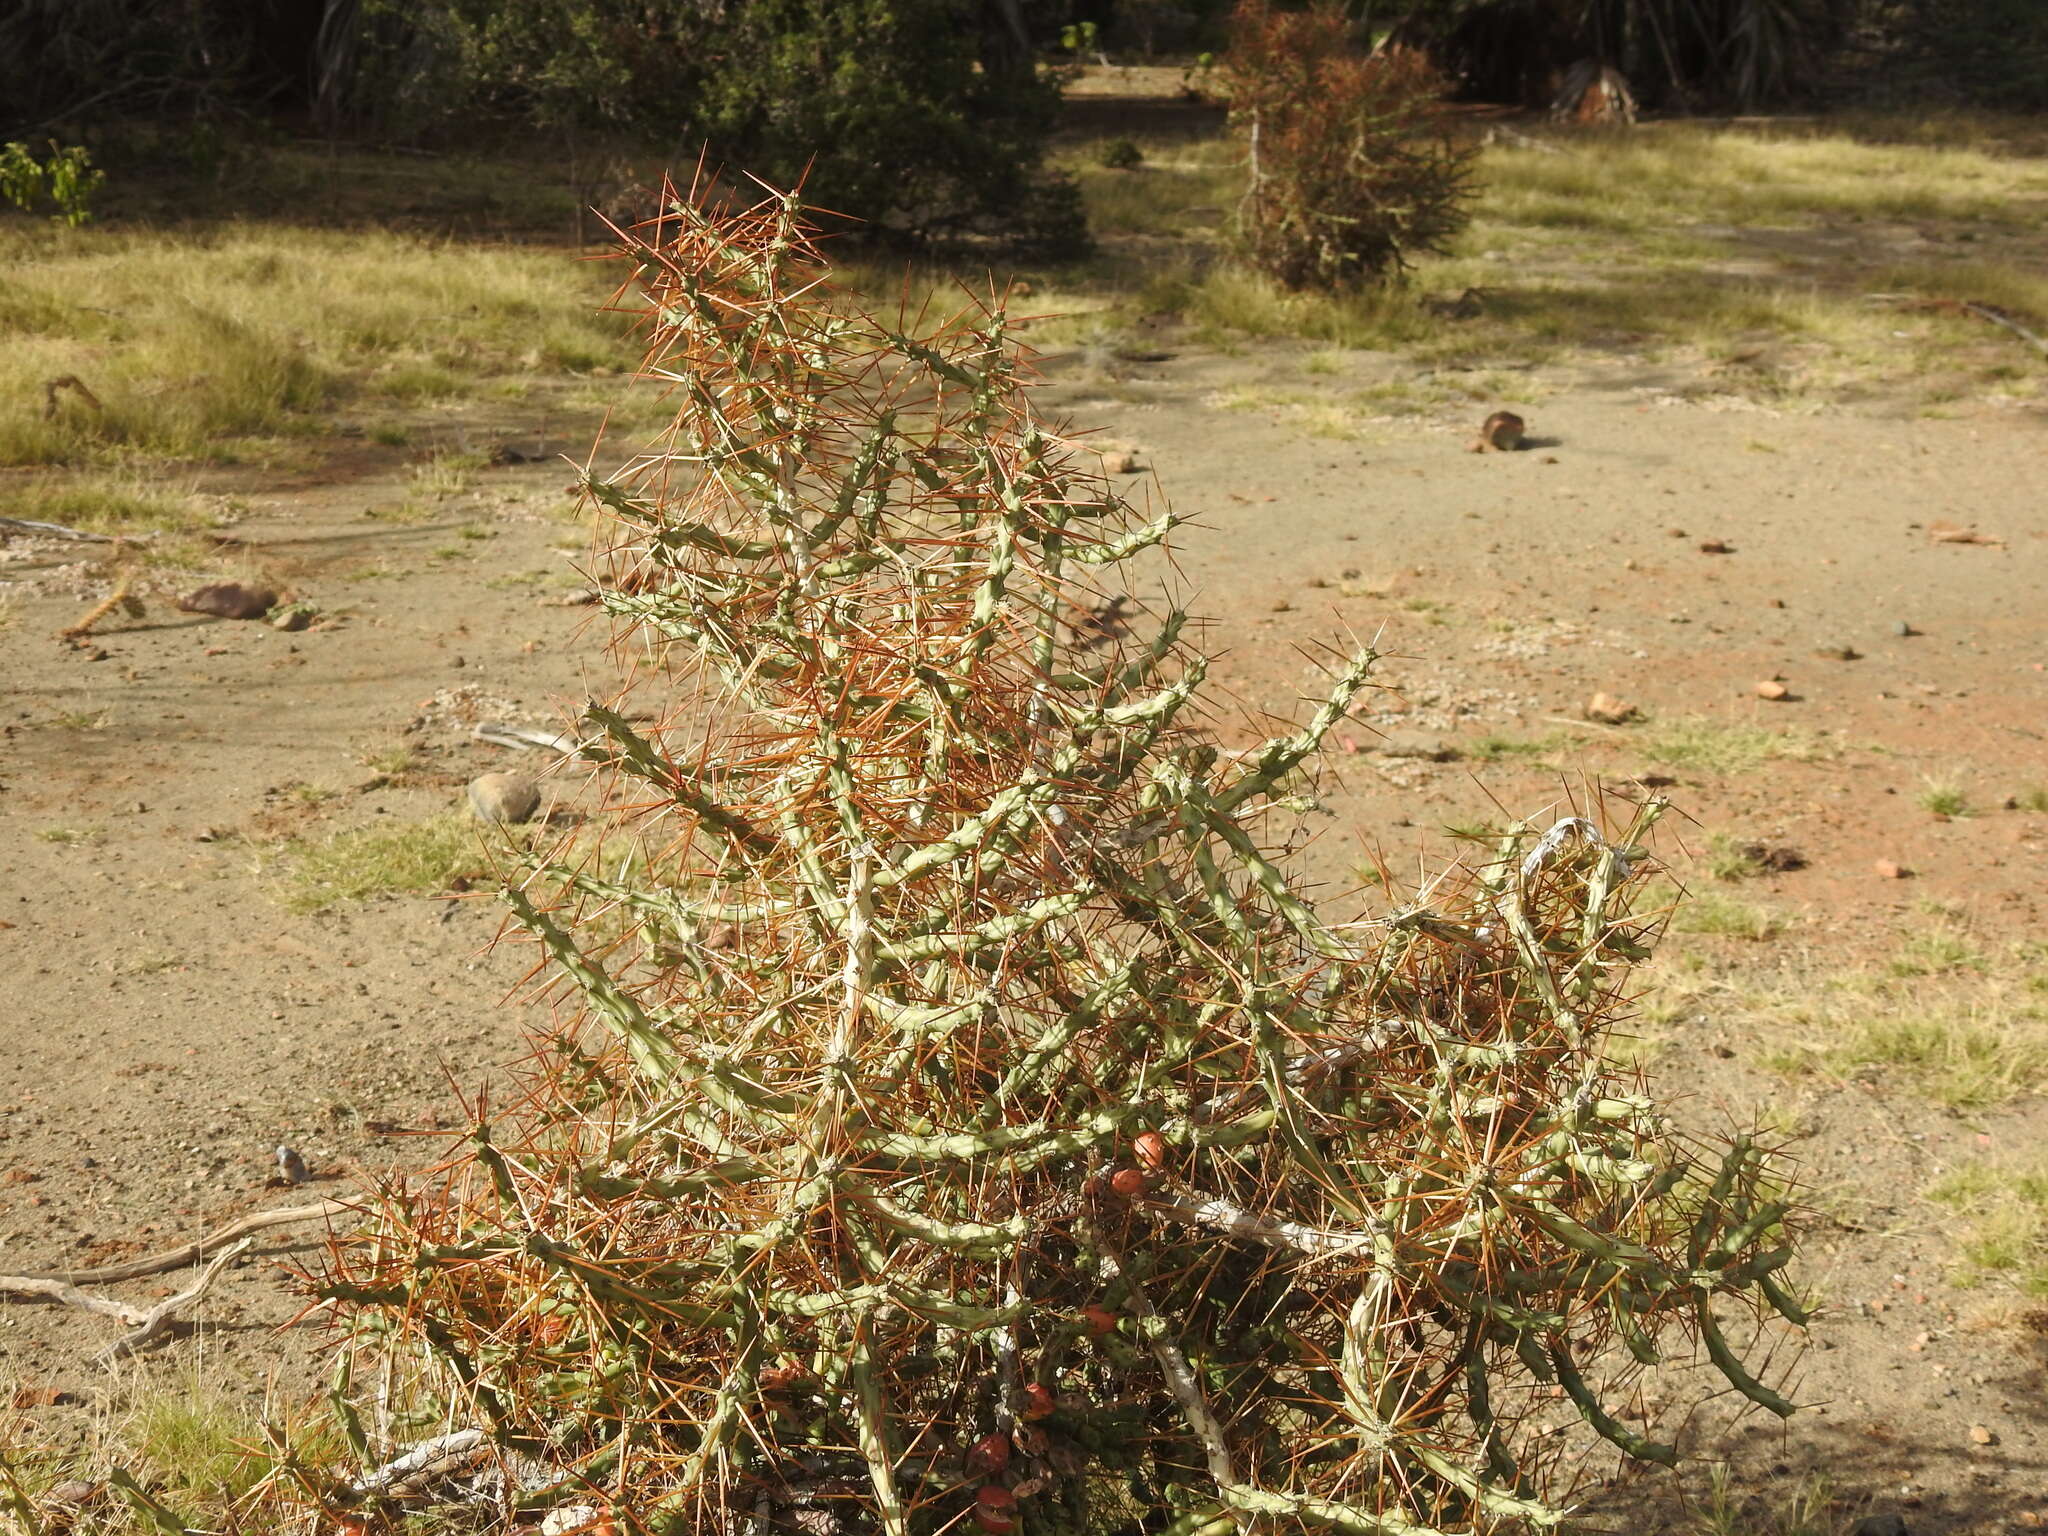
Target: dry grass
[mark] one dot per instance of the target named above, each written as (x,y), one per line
(1932,1023)
(195,1455)
(212,346)
(1754,253)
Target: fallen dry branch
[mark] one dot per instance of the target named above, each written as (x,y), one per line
(176,1258)
(1950,533)
(146,1324)
(1990,313)
(71,1296)
(159,1317)
(71,381)
(524,738)
(29,525)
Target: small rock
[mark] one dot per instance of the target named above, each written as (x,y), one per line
(1606,709)
(1771,688)
(1773,858)
(1427,748)
(72,1493)
(1902,629)
(1886,869)
(1716,547)
(572,1517)
(293,617)
(504,797)
(229,600)
(1981,1434)
(1837,653)
(292,1166)
(1889,1523)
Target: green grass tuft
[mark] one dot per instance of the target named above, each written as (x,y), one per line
(2006,1209)
(1725,747)
(1943,797)
(396,859)
(1711,913)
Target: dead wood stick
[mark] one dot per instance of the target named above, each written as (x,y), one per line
(71,1296)
(159,1316)
(27,525)
(76,385)
(179,1258)
(1988,312)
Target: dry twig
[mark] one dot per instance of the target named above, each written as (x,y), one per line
(72,382)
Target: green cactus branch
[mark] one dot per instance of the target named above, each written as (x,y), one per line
(970,1121)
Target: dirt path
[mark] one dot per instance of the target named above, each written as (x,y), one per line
(172,1022)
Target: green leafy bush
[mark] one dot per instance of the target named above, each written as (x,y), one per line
(65,178)
(893,111)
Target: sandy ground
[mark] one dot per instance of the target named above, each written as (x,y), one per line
(169,1022)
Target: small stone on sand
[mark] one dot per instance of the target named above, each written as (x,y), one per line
(504,797)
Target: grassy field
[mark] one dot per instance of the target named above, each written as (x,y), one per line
(1749,247)
(208,341)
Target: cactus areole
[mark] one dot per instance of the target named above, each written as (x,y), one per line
(920,918)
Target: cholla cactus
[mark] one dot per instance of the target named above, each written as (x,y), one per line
(972,1125)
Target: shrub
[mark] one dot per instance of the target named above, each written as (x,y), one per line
(1119,155)
(1351,169)
(969,1120)
(899,112)
(65,176)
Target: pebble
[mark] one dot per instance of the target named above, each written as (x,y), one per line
(1838,653)
(1606,709)
(1887,869)
(1902,629)
(1407,744)
(1771,688)
(571,1517)
(293,617)
(1982,1435)
(504,797)
(229,600)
